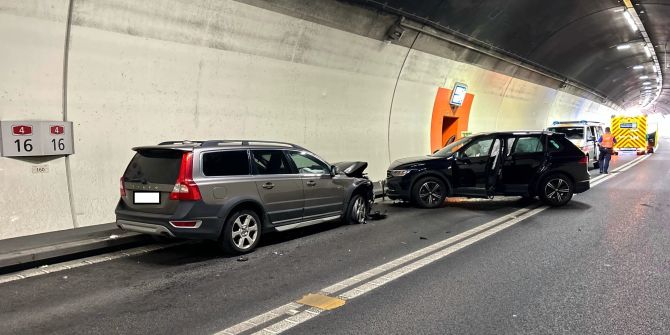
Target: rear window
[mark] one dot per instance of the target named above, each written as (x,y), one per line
(154,166)
(225,163)
(572,133)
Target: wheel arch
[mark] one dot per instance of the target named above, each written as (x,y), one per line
(239,204)
(444,179)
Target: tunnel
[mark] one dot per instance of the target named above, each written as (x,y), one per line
(334,166)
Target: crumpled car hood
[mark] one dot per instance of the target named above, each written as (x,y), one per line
(352,169)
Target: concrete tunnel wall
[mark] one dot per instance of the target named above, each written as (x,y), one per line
(143,72)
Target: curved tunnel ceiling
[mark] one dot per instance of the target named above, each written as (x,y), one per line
(577,39)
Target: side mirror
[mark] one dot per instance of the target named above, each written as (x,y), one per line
(333,170)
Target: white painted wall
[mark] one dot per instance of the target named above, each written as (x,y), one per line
(144,72)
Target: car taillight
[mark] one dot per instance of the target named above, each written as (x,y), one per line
(185,188)
(584,160)
(186,224)
(122,188)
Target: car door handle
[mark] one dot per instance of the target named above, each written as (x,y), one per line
(311,183)
(268,186)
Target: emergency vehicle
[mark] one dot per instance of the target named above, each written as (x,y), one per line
(630,133)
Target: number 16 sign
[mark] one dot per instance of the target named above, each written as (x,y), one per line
(36,138)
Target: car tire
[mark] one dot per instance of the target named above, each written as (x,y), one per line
(357,210)
(556,190)
(596,164)
(429,192)
(241,233)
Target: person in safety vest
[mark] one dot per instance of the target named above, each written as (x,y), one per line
(606,143)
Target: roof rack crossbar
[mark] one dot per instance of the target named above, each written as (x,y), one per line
(214,143)
(179,142)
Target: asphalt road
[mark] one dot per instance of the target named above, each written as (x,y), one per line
(598,265)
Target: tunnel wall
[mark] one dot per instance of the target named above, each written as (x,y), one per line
(144,72)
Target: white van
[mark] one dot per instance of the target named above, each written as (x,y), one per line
(584,134)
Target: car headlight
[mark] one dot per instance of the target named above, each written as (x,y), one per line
(399,173)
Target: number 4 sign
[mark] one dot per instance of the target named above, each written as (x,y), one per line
(22,130)
(36,138)
(57,130)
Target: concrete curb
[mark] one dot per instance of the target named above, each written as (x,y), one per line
(68,248)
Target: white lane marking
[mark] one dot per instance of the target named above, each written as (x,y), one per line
(420,261)
(622,168)
(260,319)
(82,262)
(436,256)
(416,254)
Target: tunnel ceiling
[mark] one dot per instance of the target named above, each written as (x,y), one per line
(577,39)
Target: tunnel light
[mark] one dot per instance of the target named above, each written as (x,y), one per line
(623,47)
(647,51)
(644,77)
(629,19)
(646,83)
(638,67)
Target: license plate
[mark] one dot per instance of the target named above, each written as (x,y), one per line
(147,197)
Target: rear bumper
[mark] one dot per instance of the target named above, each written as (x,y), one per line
(582,186)
(144,228)
(208,228)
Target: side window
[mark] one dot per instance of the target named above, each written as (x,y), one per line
(554,146)
(479,148)
(270,162)
(225,163)
(528,145)
(309,164)
(593,132)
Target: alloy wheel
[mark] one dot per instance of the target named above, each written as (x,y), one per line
(359,211)
(430,192)
(245,231)
(557,190)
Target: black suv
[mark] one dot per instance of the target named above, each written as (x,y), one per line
(528,164)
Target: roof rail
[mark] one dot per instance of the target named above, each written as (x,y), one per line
(216,143)
(180,142)
(580,122)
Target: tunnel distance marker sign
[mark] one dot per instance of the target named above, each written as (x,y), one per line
(36,138)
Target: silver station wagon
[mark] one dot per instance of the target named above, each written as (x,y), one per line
(234,191)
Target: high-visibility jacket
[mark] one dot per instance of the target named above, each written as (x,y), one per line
(607,141)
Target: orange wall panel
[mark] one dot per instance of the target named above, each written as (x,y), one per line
(441,109)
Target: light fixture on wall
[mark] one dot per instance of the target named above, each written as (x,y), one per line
(629,19)
(623,46)
(638,67)
(644,77)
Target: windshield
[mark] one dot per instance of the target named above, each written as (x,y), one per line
(453,147)
(572,133)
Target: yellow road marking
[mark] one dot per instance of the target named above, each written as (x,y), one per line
(321,301)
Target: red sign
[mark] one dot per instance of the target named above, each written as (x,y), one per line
(22,130)
(57,130)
